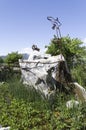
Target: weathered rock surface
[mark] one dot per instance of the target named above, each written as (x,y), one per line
(41,72)
(80,92)
(4,128)
(47,74)
(72,104)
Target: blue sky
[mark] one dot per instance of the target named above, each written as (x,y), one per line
(24,22)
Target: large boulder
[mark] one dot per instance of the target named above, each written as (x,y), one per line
(42,72)
(47,74)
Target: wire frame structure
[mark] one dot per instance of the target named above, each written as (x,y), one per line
(56,25)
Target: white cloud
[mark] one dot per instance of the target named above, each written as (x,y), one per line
(29,50)
(84,41)
(25,50)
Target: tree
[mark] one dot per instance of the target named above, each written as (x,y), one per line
(72,49)
(13,58)
(74,53)
(1,60)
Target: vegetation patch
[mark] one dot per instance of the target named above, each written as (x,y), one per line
(25,110)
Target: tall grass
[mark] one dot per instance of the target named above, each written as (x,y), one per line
(26,93)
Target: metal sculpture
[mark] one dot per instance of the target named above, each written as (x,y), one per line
(56,25)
